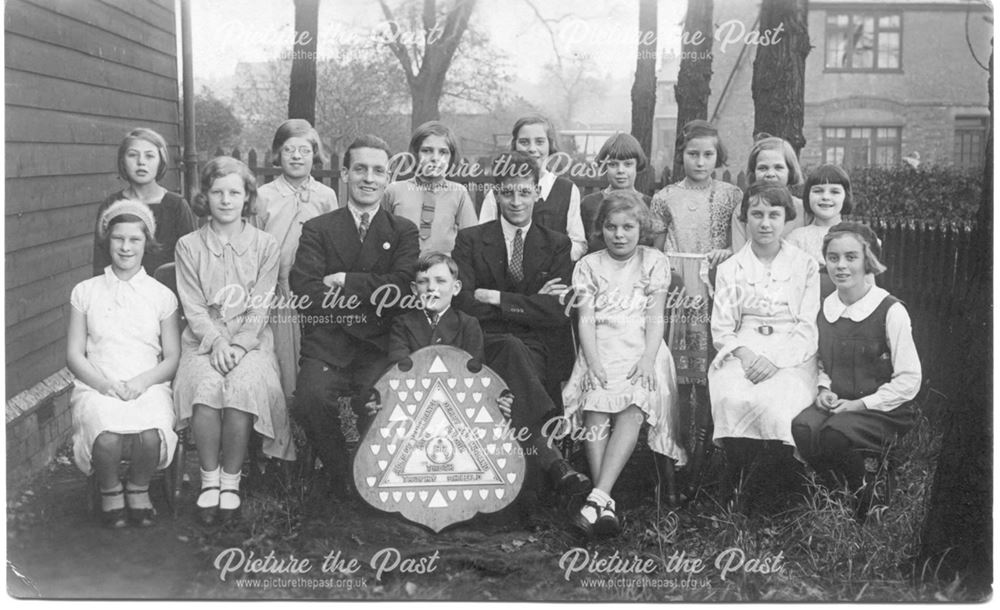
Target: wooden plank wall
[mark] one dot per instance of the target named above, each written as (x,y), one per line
(79,75)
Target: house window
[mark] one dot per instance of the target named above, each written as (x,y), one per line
(863,42)
(861,146)
(970,141)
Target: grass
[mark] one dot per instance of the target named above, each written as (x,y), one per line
(795,546)
(799,544)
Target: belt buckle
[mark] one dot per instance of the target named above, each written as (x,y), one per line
(765,330)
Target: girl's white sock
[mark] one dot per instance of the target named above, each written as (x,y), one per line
(113,502)
(599,498)
(209,497)
(229,501)
(138,497)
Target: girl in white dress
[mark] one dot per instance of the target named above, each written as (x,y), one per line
(123,346)
(764,326)
(624,373)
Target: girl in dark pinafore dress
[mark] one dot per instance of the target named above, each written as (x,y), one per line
(869,368)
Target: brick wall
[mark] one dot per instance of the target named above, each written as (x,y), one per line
(39,421)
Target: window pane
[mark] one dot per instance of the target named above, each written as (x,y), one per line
(863,42)
(885,155)
(842,132)
(833,154)
(888,50)
(888,22)
(836,50)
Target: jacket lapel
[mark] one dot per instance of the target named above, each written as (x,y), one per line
(377,241)
(536,257)
(495,254)
(447,328)
(345,236)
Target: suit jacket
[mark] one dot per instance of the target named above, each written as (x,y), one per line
(381,266)
(412,331)
(481,255)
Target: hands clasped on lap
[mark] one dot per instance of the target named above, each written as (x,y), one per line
(756,367)
(225,357)
(828,401)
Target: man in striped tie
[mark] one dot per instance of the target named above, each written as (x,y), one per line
(512,272)
(345,256)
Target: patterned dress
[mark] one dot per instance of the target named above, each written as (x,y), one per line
(225,289)
(123,340)
(697,222)
(620,290)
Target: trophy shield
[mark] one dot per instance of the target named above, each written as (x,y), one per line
(439,451)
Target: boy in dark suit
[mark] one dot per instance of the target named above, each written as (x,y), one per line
(345,257)
(438,323)
(512,272)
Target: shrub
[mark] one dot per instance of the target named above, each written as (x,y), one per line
(936,193)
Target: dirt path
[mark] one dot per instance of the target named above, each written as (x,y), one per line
(55,548)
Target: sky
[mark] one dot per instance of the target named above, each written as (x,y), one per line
(226,32)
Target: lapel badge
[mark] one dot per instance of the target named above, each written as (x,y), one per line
(385,245)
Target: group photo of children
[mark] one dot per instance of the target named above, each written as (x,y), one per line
(705,351)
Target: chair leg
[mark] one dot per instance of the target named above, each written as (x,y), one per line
(175,473)
(666,486)
(702,448)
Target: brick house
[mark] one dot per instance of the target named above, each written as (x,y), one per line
(886,80)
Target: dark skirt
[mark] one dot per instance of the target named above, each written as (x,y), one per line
(868,431)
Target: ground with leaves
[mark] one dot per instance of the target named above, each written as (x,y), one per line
(56,549)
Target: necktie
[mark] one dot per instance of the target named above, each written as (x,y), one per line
(517,257)
(433,319)
(363,227)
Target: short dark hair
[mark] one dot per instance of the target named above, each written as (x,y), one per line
(296,128)
(622,146)
(774,195)
(435,128)
(701,129)
(515,164)
(217,168)
(830,174)
(367,140)
(429,259)
(536,119)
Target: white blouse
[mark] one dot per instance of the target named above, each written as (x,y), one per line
(906,372)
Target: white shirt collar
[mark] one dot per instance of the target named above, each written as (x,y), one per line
(755,271)
(305,186)
(545,182)
(509,230)
(834,308)
(135,280)
(357,212)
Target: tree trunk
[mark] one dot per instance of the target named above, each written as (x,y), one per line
(957,533)
(425,103)
(644,86)
(302,83)
(779,71)
(695,76)
(442,35)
